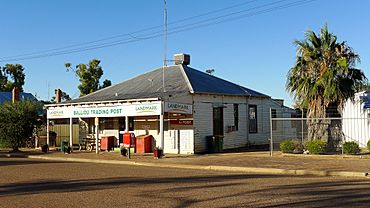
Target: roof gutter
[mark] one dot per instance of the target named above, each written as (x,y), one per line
(235,95)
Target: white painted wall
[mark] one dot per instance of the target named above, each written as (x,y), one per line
(355,125)
(263,121)
(203,120)
(203,123)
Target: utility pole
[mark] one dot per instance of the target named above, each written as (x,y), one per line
(48,85)
(165,41)
(161,117)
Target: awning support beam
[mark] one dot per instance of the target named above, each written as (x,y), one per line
(71,133)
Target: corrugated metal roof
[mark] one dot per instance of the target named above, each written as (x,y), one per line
(177,78)
(205,83)
(148,85)
(7,96)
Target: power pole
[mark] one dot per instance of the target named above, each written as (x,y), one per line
(165,41)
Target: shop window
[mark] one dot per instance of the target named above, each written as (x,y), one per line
(131,122)
(122,123)
(236,117)
(252,115)
(91,125)
(108,123)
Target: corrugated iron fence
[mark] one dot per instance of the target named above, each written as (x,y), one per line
(62,131)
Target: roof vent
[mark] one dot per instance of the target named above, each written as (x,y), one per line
(182,58)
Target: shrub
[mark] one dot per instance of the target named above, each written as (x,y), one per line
(316,146)
(287,146)
(368,145)
(298,147)
(351,148)
(4,143)
(18,122)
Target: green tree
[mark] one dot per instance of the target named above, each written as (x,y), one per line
(19,122)
(366,86)
(324,74)
(3,80)
(89,76)
(12,75)
(106,83)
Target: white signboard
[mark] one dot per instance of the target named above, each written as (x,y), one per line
(178,108)
(142,109)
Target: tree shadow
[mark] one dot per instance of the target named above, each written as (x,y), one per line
(332,192)
(25,162)
(56,186)
(341,193)
(344,193)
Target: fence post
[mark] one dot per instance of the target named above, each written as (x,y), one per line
(342,138)
(271,141)
(302,128)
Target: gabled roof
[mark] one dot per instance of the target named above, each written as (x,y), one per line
(179,79)
(7,96)
(147,85)
(205,83)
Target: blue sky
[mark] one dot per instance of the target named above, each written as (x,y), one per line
(254,51)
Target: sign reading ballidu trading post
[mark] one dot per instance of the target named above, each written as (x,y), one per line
(112,111)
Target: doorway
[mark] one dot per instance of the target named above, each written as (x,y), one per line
(218,121)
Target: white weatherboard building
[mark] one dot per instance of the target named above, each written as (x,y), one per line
(191,106)
(356,126)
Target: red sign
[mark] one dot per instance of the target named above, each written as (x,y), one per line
(181,122)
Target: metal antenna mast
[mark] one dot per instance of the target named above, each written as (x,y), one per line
(48,84)
(165,41)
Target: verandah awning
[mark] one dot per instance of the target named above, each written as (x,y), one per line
(132,109)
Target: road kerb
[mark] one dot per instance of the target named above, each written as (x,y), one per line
(211,167)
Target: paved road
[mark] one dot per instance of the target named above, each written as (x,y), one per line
(38,183)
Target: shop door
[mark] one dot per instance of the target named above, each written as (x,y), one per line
(218,121)
(172,142)
(179,141)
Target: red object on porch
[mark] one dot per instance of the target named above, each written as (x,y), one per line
(158,153)
(129,140)
(144,144)
(107,142)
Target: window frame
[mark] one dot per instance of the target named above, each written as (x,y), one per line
(254,120)
(236,116)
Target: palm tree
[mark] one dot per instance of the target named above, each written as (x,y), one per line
(324,74)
